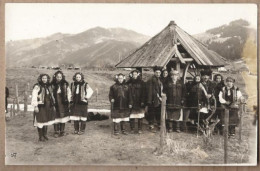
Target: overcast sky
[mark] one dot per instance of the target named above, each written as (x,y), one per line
(31,20)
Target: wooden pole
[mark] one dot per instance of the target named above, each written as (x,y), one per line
(17,97)
(226,122)
(96,95)
(111,119)
(25,101)
(11,111)
(163,127)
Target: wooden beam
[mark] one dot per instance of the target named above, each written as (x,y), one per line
(188,59)
(178,54)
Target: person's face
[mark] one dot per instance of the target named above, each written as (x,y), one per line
(78,77)
(120,78)
(44,79)
(205,78)
(174,77)
(197,79)
(230,83)
(135,75)
(165,74)
(58,77)
(218,79)
(157,73)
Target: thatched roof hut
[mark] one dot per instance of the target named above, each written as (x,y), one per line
(173,47)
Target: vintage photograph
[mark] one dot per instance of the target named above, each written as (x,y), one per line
(131,84)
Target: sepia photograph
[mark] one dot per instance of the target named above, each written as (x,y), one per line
(131,84)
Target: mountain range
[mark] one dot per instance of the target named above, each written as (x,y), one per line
(96,47)
(100,47)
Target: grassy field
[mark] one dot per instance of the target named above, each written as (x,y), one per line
(98,146)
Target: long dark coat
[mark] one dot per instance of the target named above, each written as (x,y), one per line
(136,95)
(120,93)
(196,96)
(175,94)
(154,88)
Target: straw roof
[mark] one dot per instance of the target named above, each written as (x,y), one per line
(161,48)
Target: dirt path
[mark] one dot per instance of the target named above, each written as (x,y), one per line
(98,146)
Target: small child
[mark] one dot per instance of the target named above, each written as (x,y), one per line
(229,97)
(119,97)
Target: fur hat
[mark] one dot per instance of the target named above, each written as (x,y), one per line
(206,72)
(230,79)
(156,68)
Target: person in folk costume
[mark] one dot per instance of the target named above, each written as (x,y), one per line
(119,97)
(229,97)
(80,93)
(154,98)
(196,97)
(219,84)
(62,95)
(44,105)
(175,91)
(136,100)
(164,76)
(208,89)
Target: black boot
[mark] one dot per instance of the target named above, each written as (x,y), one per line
(140,126)
(170,124)
(178,127)
(62,128)
(82,127)
(231,130)
(184,125)
(123,128)
(116,132)
(45,133)
(56,130)
(40,132)
(132,126)
(76,127)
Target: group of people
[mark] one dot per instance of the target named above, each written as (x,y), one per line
(135,99)
(56,102)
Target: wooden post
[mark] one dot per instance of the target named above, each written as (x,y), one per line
(17,97)
(11,111)
(163,128)
(111,119)
(96,94)
(25,100)
(226,122)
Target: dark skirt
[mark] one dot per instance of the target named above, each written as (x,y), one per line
(173,114)
(120,113)
(79,110)
(137,113)
(46,115)
(233,117)
(62,111)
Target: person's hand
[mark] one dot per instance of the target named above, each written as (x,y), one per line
(160,98)
(142,104)
(112,100)
(209,96)
(36,109)
(130,106)
(228,102)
